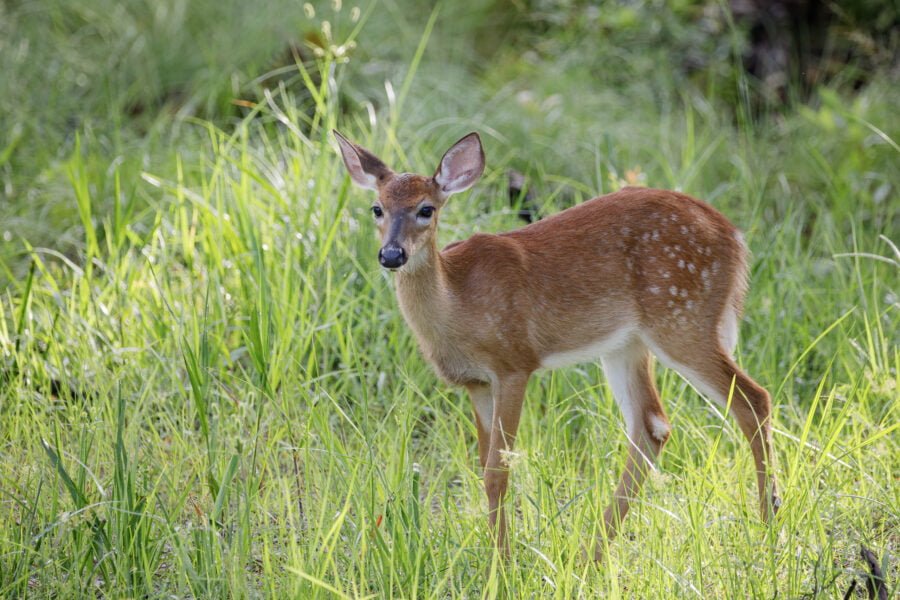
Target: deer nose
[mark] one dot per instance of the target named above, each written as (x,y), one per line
(392,257)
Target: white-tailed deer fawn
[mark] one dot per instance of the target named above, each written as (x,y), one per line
(614,279)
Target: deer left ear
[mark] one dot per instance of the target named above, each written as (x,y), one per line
(366,170)
(461,166)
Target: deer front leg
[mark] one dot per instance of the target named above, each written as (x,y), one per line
(509,393)
(483,403)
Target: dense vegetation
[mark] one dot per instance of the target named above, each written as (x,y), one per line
(206,388)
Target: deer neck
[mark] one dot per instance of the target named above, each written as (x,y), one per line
(423,296)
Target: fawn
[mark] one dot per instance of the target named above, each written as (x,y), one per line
(616,278)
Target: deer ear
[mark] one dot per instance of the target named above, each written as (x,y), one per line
(366,169)
(461,166)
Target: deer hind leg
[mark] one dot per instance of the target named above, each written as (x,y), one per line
(631,379)
(718,377)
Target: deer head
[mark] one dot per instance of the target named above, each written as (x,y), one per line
(407,207)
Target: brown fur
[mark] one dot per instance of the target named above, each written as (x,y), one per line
(521,292)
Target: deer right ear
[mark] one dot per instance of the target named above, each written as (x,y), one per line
(366,169)
(461,166)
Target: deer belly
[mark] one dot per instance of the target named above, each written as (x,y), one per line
(589,352)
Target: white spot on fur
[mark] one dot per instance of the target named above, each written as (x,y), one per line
(673,290)
(653,289)
(684,229)
(666,274)
(646,236)
(659,428)
(625,231)
(691,268)
(690,305)
(655,235)
(680,263)
(674,217)
(684,293)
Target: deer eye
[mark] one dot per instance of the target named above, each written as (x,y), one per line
(376,210)
(426,212)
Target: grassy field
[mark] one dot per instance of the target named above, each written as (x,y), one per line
(206,387)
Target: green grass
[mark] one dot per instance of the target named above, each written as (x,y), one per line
(207,390)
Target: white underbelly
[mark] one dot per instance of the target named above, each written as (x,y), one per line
(589,353)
